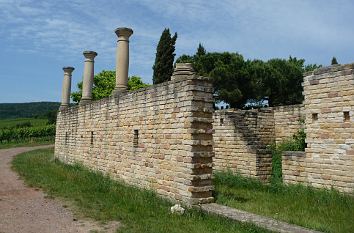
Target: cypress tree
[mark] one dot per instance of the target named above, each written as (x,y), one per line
(163,67)
(200,51)
(334,61)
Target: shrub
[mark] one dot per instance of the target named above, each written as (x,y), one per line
(296,143)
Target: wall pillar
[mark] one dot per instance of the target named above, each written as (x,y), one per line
(66,89)
(122,59)
(87,82)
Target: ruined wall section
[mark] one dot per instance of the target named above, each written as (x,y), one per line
(241,137)
(240,141)
(158,138)
(288,120)
(329,107)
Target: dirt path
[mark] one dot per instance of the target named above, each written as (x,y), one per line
(27,210)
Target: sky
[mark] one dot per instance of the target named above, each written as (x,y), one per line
(38,38)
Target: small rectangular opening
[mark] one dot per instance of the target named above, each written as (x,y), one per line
(314,116)
(66,138)
(91,137)
(221,121)
(346,116)
(136,138)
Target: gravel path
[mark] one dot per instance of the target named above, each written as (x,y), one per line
(27,210)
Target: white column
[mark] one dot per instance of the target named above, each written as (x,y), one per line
(122,59)
(87,82)
(66,89)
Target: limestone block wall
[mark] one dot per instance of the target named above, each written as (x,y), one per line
(329,104)
(287,121)
(242,136)
(158,137)
(293,167)
(329,109)
(240,141)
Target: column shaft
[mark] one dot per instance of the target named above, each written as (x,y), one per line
(66,89)
(87,82)
(122,59)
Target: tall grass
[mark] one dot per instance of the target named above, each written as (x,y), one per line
(101,198)
(320,209)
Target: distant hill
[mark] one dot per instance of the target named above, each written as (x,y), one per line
(26,110)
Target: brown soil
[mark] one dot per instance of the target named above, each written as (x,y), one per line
(25,209)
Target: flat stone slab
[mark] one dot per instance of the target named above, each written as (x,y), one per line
(261,221)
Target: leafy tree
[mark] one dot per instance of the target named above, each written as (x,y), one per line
(238,82)
(284,86)
(104,84)
(334,61)
(135,83)
(185,59)
(52,117)
(301,64)
(163,66)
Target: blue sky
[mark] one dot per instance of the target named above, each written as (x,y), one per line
(38,38)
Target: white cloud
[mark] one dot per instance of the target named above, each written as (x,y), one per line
(262,29)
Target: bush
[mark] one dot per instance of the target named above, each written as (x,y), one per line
(296,143)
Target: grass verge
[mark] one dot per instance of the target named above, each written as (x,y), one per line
(324,210)
(96,196)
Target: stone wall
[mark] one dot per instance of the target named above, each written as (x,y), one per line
(240,141)
(158,137)
(293,166)
(329,106)
(241,137)
(288,120)
(161,137)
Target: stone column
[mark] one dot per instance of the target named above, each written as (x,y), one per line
(88,76)
(122,59)
(66,89)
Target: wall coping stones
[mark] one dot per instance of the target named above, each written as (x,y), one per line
(142,91)
(330,69)
(294,153)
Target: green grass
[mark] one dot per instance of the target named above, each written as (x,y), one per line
(98,197)
(324,210)
(8,123)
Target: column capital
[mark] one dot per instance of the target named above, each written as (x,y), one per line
(90,55)
(68,69)
(123,33)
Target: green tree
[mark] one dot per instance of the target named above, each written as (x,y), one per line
(238,82)
(226,69)
(163,66)
(200,51)
(104,84)
(334,61)
(52,117)
(185,59)
(283,85)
